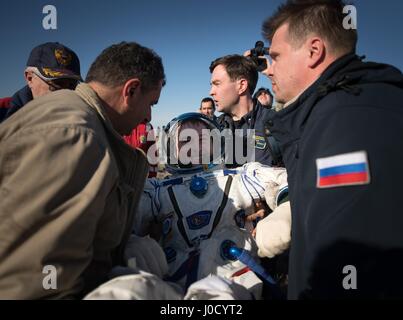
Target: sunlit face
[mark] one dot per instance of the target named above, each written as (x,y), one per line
(264,98)
(139,109)
(288,66)
(223,90)
(207,109)
(38,86)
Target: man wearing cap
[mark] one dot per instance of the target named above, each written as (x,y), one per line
(51,66)
(69,183)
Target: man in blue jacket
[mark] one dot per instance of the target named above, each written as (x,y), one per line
(340,134)
(233,80)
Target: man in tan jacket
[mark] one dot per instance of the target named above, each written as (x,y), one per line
(69,184)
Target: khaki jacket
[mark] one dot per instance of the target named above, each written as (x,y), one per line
(69,187)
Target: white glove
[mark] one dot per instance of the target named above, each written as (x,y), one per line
(217,288)
(273,233)
(146,254)
(139,285)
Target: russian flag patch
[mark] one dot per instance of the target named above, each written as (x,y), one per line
(346,169)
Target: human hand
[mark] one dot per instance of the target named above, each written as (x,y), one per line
(255,217)
(247,53)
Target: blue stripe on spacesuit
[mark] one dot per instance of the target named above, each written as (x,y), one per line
(180,180)
(244,184)
(254,182)
(247,183)
(257,181)
(228,171)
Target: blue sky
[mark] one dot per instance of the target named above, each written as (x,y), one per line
(187,34)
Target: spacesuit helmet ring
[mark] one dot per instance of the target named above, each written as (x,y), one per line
(193,143)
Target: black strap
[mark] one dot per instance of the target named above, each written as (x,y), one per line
(216,218)
(222,205)
(180,216)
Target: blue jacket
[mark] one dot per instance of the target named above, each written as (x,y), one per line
(18,100)
(343,228)
(265,147)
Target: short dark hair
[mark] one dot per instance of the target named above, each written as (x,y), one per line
(124,61)
(321,17)
(238,67)
(208,99)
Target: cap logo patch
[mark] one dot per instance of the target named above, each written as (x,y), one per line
(49,73)
(63,57)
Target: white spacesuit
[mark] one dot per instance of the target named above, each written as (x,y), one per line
(202,213)
(202,210)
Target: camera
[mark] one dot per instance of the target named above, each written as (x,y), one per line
(258,51)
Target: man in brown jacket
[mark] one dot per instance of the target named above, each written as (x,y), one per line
(69,184)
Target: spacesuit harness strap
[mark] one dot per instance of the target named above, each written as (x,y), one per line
(217,217)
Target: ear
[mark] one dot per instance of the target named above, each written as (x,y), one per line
(243,86)
(28,77)
(316,51)
(131,89)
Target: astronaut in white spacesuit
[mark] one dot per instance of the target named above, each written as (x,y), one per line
(203,210)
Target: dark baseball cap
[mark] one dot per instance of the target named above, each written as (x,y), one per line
(260,91)
(55,61)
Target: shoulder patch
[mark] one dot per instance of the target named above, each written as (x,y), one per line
(199,219)
(260,142)
(346,169)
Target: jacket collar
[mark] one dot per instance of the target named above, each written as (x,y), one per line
(18,100)
(344,73)
(21,97)
(250,115)
(94,101)
(321,84)
(287,125)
